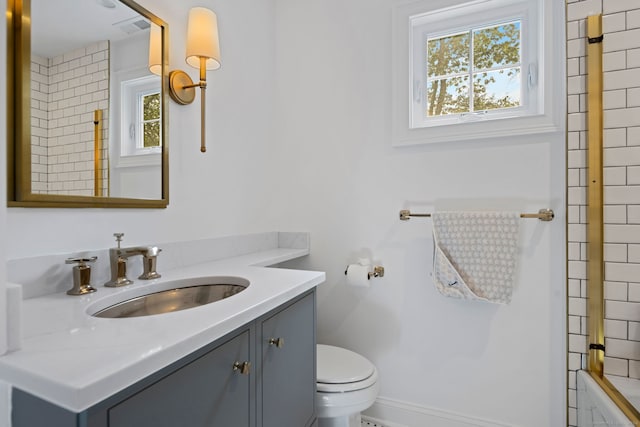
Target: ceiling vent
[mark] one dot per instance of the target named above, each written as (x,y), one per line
(133,25)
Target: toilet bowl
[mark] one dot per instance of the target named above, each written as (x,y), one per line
(347,384)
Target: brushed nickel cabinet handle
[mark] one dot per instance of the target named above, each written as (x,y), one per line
(278,342)
(242,367)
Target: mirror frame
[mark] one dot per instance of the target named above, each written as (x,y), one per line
(19,120)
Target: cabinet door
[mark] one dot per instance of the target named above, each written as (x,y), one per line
(288,384)
(206,392)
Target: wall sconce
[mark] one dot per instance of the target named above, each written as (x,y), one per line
(155,49)
(203,52)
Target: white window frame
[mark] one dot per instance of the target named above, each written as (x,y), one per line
(140,122)
(132,92)
(540,58)
(430,26)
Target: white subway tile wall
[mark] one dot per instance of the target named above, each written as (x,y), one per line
(621,102)
(39,123)
(66,90)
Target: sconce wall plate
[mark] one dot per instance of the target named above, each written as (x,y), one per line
(181,87)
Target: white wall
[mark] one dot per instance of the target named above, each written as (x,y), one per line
(225,191)
(343,181)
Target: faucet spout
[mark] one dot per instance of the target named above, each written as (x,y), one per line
(118,259)
(134,250)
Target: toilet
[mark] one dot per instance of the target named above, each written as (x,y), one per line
(347,384)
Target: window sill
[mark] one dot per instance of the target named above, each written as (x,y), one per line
(508,127)
(139,160)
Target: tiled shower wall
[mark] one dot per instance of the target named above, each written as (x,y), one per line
(39,123)
(621,102)
(66,90)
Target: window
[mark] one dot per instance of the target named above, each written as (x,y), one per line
(477,71)
(141,132)
(474,70)
(469,67)
(149,122)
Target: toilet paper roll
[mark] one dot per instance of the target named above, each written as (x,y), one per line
(358,275)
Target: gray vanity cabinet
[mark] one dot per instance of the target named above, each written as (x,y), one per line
(288,366)
(205,390)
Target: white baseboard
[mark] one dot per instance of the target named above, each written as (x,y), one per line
(394,413)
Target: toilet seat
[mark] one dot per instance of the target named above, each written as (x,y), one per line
(340,370)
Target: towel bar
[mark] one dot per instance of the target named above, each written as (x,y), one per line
(542,215)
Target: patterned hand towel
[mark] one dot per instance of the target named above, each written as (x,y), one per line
(475,254)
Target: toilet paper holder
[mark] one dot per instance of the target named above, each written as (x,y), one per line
(378,271)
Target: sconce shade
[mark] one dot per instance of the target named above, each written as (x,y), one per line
(155,49)
(202,38)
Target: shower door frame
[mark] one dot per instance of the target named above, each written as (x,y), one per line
(595,223)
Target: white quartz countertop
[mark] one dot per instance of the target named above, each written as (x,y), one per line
(75,360)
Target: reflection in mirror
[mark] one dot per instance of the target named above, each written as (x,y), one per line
(96,113)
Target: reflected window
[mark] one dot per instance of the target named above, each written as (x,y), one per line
(141,116)
(149,112)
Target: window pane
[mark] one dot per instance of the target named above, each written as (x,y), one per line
(151,134)
(151,106)
(448,96)
(496,46)
(496,89)
(448,55)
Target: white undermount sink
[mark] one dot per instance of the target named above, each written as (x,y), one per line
(175,296)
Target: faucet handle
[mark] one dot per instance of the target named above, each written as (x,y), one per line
(81,276)
(118,237)
(149,262)
(82,262)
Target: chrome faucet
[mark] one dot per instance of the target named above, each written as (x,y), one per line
(118,259)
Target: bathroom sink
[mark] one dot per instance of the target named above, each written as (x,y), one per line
(176,299)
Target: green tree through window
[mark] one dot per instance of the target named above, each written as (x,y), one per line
(151,120)
(474,71)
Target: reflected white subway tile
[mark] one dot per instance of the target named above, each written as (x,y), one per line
(622,195)
(615,137)
(614,61)
(634,254)
(614,22)
(633,18)
(614,176)
(633,97)
(622,40)
(577,306)
(621,79)
(577,343)
(614,366)
(634,369)
(615,329)
(615,252)
(582,9)
(622,349)
(613,99)
(615,214)
(634,331)
(619,310)
(613,6)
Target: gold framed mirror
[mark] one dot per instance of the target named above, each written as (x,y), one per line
(87,104)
